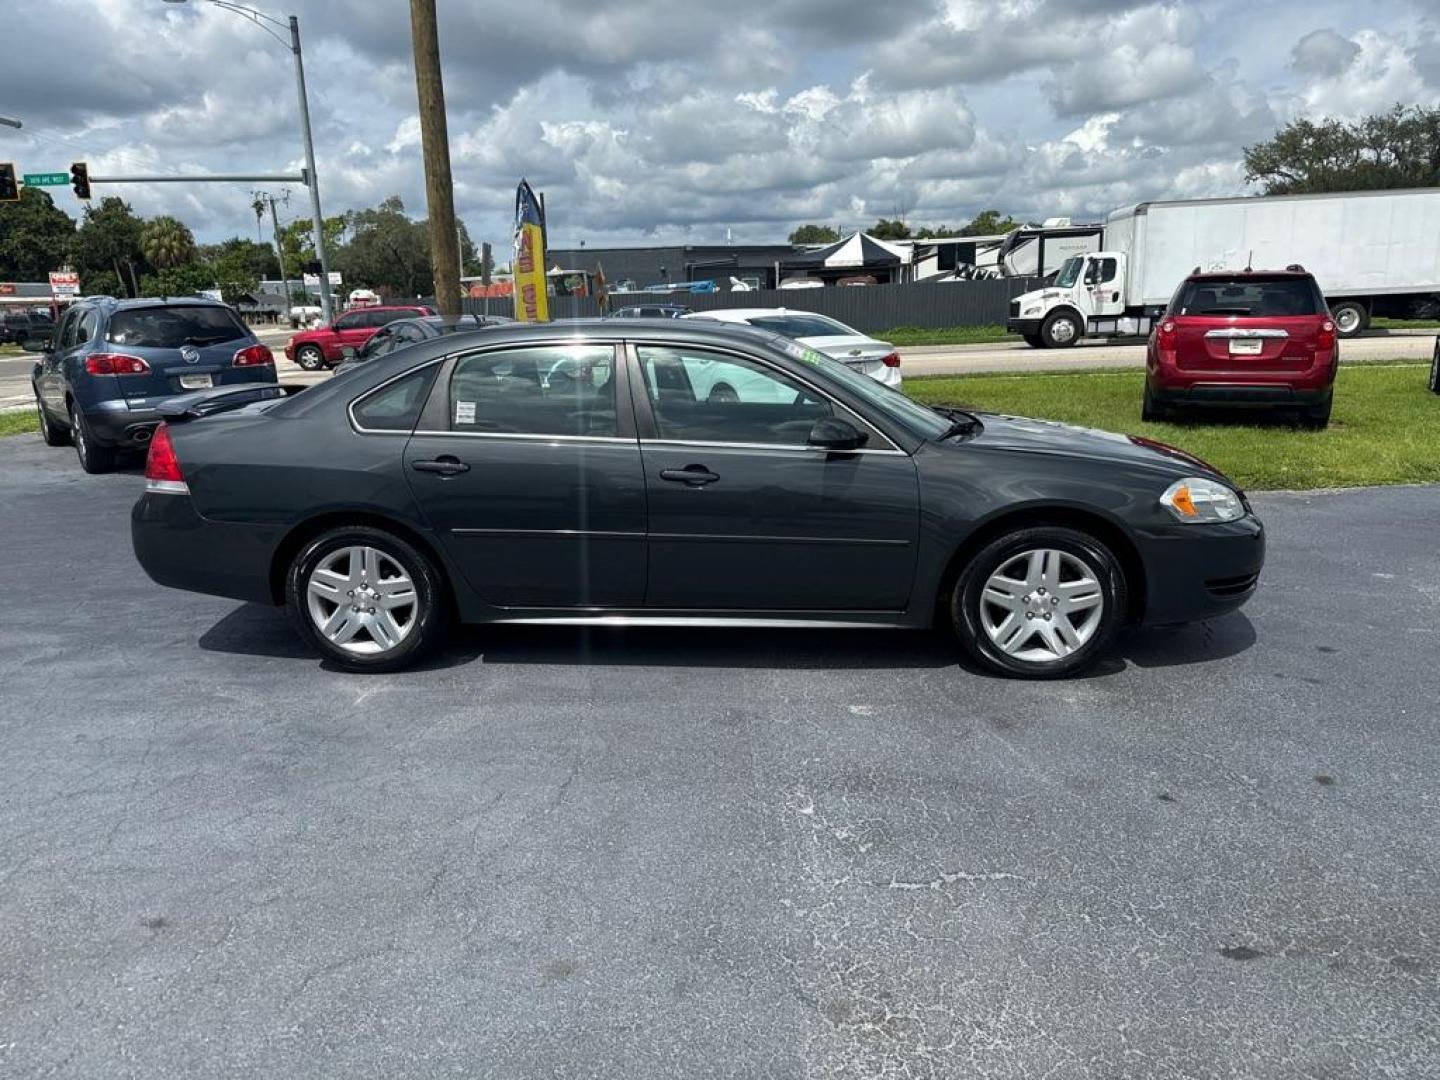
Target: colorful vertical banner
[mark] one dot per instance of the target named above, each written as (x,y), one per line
(531,303)
(602,289)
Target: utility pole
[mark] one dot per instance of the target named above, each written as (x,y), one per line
(265,196)
(435,142)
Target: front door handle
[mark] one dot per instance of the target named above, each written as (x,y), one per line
(690,475)
(445,465)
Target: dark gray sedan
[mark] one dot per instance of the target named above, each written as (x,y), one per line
(583,474)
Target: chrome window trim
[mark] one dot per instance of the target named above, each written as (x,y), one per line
(360,428)
(528,436)
(638,343)
(803,447)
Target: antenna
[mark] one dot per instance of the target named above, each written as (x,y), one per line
(1250,262)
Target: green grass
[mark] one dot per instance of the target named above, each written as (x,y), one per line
(1405,324)
(11,349)
(1385,428)
(18,423)
(949,335)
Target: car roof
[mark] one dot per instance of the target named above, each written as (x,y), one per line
(1231,275)
(152,301)
(740,314)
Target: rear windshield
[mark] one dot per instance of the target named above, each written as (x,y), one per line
(1249,296)
(171,327)
(798,326)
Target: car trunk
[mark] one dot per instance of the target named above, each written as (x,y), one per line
(1238,344)
(862,354)
(172,372)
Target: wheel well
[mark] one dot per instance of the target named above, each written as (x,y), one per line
(1083,520)
(313,527)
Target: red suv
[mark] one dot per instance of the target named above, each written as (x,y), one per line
(320,347)
(1244,339)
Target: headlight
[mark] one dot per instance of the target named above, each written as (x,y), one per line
(1032,310)
(1196,500)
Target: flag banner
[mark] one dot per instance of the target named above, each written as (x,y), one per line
(602,289)
(531,303)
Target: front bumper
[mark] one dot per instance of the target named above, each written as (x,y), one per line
(1196,572)
(180,549)
(1024,327)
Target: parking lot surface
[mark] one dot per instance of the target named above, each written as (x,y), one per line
(670,854)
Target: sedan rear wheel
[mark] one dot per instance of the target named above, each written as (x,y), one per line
(1040,602)
(365,599)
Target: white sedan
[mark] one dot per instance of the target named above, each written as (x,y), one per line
(865,354)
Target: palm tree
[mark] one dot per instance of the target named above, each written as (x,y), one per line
(166,243)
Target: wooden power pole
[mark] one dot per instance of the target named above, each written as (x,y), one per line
(435,140)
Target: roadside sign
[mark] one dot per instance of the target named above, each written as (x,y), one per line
(314,279)
(64,283)
(45,179)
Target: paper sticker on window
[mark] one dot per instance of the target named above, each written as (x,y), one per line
(464,412)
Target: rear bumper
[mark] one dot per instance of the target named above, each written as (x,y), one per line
(1256,396)
(117,423)
(180,549)
(1024,327)
(1199,571)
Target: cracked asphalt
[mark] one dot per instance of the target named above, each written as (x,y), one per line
(661,854)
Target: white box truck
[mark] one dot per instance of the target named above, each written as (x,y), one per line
(1372,252)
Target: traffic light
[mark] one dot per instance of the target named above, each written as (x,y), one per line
(80,179)
(9,189)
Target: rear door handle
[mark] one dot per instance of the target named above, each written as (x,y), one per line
(445,465)
(692,475)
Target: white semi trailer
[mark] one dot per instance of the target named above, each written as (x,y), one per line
(1372,252)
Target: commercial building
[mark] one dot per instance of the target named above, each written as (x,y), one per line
(640,267)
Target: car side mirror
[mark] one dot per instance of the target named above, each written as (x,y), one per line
(36,341)
(836,435)
(348,351)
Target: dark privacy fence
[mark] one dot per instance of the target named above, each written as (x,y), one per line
(869,307)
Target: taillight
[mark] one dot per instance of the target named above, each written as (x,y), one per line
(893,360)
(162,467)
(1325,340)
(1166,336)
(254,356)
(105,363)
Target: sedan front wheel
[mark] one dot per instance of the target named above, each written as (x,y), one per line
(1040,603)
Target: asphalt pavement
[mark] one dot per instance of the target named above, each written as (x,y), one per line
(1009,356)
(563,854)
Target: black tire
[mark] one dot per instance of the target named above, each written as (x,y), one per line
(966,601)
(49,433)
(1316,418)
(1054,333)
(309,357)
(94,457)
(1035,341)
(430,598)
(1435,369)
(1351,314)
(1151,411)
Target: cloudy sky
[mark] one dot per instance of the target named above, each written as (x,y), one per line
(678,119)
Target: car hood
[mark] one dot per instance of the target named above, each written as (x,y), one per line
(1025,435)
(848,346)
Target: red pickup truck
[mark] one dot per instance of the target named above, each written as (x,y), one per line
(321,347)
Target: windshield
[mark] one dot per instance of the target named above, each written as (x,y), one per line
(1069,271)
(909,414)
(171,327)
(1249,296)
(798,326)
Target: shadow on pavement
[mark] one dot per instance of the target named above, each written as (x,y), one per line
(258,630)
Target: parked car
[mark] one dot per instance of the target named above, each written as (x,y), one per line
(18,326)
(1246,339)
(101,380)
(403,332)
(455,479)
(323,345)
(650,311)
(878,359)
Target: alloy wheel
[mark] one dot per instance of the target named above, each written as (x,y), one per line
(362,600)
(1040,606)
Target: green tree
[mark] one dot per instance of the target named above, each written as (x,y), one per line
(1397,149)
(988,223)
(177,280)
(109,240)
(814,234)
(388,251)
(297,240)
(935,232)
(885,229)
(166,242)
(256,260)
(35,236)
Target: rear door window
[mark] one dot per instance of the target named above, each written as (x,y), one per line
(171,327)
(1249,297)
(554,390)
